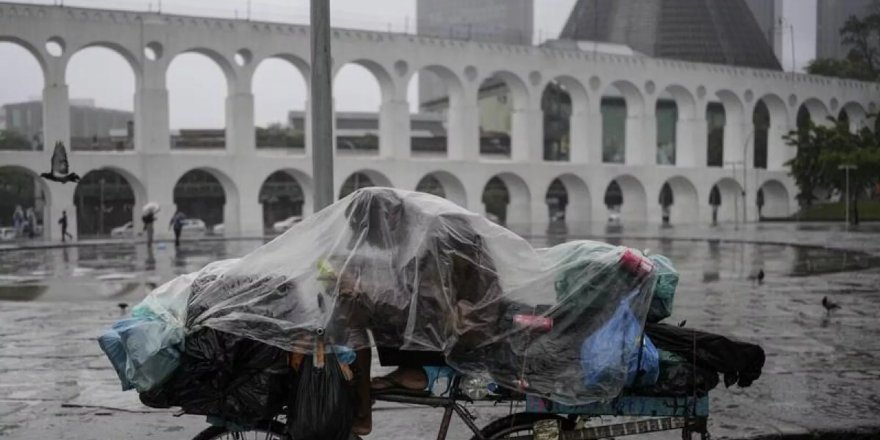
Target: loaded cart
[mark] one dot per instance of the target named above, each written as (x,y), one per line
(279,341)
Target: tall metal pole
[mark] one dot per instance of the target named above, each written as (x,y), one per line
(321,98)
(846,168)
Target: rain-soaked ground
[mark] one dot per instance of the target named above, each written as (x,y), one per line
(822,372)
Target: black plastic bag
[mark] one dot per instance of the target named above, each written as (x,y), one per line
(323,407)
(228,376)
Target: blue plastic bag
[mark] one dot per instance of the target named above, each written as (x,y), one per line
(610,356)
(144,351)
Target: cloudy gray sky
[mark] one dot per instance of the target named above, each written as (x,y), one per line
(196,86)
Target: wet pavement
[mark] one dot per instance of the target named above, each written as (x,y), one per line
(822,373)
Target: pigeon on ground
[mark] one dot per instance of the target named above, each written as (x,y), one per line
(683,323)
(60,171)
(829,306)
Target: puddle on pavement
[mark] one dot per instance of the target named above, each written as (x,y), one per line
(128,271)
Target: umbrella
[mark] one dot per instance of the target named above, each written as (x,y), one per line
(151,207)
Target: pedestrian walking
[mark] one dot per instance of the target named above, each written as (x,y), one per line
(149,218)
(63,223)
(32,222)
(177,224)
(18,220)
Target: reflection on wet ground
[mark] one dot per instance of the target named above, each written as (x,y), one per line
(126,270)
(822,371)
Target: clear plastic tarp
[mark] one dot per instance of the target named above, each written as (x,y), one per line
(420,273)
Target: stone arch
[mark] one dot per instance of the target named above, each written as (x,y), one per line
(503,131)
(728,135)
(106,198)
(621,106)
(380,73)
(221,61)
(562,98)
(684,205)
(121,50)
(453,189)
(200,199)
(362,179)
(818,111)
(729,204)
(775,198)
(514,206)
(32,49)
(284,194)
(113,128)
(286,128)
(856,114)
(200,134)
(440,129)
(15,191)
(632,202)
(25,128)
(577,202)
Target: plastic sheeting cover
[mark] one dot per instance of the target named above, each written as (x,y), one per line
(421,273)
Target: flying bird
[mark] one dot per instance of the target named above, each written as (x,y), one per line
(829,306)
(60,171)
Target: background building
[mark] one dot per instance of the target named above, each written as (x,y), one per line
(707,31)
(831,16)
(91,127)
(493,21)
(768,14)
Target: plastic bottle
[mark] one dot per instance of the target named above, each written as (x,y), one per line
(475,387)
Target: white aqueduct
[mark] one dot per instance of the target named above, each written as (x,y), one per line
(238,47)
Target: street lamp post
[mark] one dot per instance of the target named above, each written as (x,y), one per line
(322,112)
(846,168)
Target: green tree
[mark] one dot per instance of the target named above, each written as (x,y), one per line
(822,149)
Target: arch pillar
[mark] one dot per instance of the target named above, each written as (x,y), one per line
(240,127)
(61,200)
(738,137)
(463,135)
(778,152)
(394,128)
(581,127)
(641,137)
(590,151)
(56,106)
(151,115)
(691,136)
(527,131)
(250,211)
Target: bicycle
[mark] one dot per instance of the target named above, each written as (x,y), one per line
(690,414)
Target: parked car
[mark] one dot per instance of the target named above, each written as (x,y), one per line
(126,230)
(287,223)
(193,225)
(7,233)
(219,229)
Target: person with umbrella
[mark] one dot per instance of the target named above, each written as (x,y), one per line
(177,223)
(150,210)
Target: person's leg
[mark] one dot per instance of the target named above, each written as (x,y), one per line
(177,237)
(63,234)
(363,422)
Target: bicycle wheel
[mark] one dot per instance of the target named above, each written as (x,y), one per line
(269,431)
(519,424)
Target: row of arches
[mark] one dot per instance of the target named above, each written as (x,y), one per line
(108,198)
(628,114)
